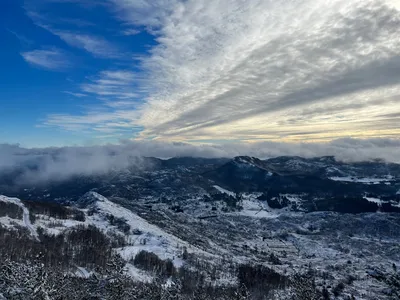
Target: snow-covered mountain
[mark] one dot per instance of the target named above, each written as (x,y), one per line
(217,224)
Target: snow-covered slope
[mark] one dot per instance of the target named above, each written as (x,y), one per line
(366,180)
(224,191)
(25,215)
(142,236)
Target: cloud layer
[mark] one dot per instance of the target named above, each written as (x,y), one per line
(274,69)
(41,165)
(249,70)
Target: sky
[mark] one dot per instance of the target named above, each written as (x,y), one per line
(93,72)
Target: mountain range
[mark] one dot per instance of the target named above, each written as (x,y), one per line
(281,227)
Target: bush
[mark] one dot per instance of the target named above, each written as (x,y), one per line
(338,289)
(260,277)
(54,210)
(151,262)
(11,210)
(273,259)
(120,223)
(304,287)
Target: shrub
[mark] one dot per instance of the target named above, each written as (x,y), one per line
(151,262)
(11,210)
(260,277)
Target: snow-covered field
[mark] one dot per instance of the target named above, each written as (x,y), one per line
(332,243)
(142,236)
(365,180)
(224,191)
(25,216)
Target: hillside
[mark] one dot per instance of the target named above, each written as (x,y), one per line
(227,227)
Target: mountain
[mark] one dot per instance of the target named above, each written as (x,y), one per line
(213,227)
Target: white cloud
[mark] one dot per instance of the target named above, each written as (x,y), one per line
(78,95)
(130,31)
(252,70)
(98,46)
(93,121)
(53,59)
(269,69)
(116,114)
(60,163)
(148,13)
(21,38)
(117,84)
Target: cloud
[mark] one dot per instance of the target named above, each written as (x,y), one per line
(281,70)
(78,95)
(95,45)
(52,59)
(96,121)
(148,13)
(130,31)
(119,98)
(117,83)
(43,164)
(251,69)
(21,38)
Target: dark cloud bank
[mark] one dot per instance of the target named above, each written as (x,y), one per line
(41,164)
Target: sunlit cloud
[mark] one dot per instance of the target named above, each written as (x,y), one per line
(118,84)
(270,69)
(257,70)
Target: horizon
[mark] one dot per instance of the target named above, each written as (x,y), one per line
(45,164)
(87,73)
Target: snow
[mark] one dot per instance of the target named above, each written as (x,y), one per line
(252,207)
(398,192)
(374,200)
(333,170)
(296,164)
(224,191)
(82,272)
(129,252)
(366,180)
(293,198)
(48,222)
(8,222)
(153,239)
(257,209)
(244,162)
(137,274)
(25,214)
(312,247)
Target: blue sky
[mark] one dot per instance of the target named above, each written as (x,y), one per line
(32,90)
(92,72)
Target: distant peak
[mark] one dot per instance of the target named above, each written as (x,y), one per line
(90,198)
(245,159)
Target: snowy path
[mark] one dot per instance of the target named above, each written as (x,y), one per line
(224,191)
(83,273)
(25,214)
(28,223)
